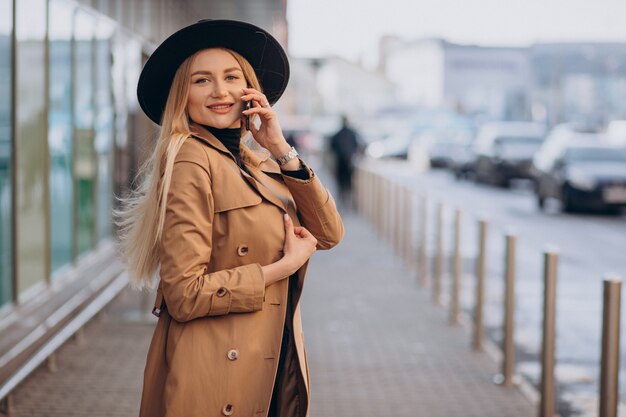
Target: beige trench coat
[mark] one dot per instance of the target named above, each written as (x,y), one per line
(216,346)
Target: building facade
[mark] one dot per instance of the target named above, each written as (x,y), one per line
(71,132)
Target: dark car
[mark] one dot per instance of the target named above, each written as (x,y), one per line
(505,150)
(585,177)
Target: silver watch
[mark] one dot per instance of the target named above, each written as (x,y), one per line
(282,160)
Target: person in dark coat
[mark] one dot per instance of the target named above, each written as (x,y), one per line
(345,146)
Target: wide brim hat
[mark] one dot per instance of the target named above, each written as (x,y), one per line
(261,49)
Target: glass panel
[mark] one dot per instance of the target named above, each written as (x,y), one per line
(60,133)
(30,141)
(6,22)
(84,157)
(104,126)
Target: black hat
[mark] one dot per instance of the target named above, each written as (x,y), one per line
(264,53)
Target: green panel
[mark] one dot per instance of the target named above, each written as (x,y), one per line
(6,249)
(60,131)
(30,134)
(104,127)
(85,163)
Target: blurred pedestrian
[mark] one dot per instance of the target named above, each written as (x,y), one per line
(230,230)
(344,145)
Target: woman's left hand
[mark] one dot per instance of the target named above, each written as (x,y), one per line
(269,134)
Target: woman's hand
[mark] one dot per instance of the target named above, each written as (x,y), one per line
(298,247)
(269,134)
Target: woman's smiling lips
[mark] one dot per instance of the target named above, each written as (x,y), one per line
(221,108)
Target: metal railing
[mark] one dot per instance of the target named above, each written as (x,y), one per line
(377,203)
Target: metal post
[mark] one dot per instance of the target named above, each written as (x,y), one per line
(52,363)
(438,270)
(609,368)
(508,364)
(455,304)
(547,388)
(6,405)
(407,217)
(479,330)
(380,206)
(398,220)
(422,255)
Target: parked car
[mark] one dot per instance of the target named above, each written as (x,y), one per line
(504,150)
(584,176)
(616,131)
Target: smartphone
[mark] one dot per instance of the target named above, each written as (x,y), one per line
(248,105)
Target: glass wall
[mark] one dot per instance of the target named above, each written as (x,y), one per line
(60,132)
(85,165)
(6,250)
(104,126)
(30,145)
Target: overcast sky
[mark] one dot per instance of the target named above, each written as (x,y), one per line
(351,28)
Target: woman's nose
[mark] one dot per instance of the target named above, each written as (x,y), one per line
(219,89)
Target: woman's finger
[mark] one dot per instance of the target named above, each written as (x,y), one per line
(258,99)
(263,111)
(288,225)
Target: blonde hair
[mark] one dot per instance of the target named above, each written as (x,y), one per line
(142,215)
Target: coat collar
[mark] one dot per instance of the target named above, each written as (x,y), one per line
(256,158)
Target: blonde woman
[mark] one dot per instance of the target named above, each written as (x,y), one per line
(229,231)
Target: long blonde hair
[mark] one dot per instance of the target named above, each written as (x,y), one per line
(142,215)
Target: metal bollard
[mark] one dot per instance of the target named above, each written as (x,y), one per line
(398,219)
(455,304)
(438,270)
(406,224)
(6,405)
(609,364)
(547,404)
(422,255)
(380,200)
(508,364)
(479,330)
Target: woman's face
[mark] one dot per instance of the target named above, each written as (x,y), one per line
(215,90)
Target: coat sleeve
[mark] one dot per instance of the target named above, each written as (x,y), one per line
(316,209)
(189,291)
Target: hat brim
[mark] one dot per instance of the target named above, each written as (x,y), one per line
(261,49)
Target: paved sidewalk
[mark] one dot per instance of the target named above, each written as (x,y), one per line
(376,344)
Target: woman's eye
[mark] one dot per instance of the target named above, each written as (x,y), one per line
(201,80)
(232,77)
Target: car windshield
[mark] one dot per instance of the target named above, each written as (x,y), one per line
(518,140)
(596,154)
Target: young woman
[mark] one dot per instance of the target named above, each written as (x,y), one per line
(229,230)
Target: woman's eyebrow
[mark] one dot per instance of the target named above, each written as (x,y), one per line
(203,72)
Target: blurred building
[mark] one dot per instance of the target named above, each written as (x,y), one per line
(71,132)
(490,81)
(548,82)
(579,81)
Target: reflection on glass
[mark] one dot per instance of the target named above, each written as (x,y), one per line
(60,134)
(30,140)
(84,159)
(5,151)
(104,127)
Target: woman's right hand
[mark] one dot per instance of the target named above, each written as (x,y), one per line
(298,247)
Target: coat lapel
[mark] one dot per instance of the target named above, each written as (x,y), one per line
(258,164)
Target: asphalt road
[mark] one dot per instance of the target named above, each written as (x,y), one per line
(589,246)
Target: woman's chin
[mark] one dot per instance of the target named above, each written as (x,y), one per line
(222,124)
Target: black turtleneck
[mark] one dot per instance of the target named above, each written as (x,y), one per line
(231,138)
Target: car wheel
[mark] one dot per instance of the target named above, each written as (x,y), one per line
(541,202)
(569,206)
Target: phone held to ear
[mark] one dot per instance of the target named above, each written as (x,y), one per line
(248,105)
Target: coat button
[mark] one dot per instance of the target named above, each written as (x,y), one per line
(242,250)
(233,354)
(221,292)
(227,410)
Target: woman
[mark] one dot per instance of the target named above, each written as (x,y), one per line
(230,230)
